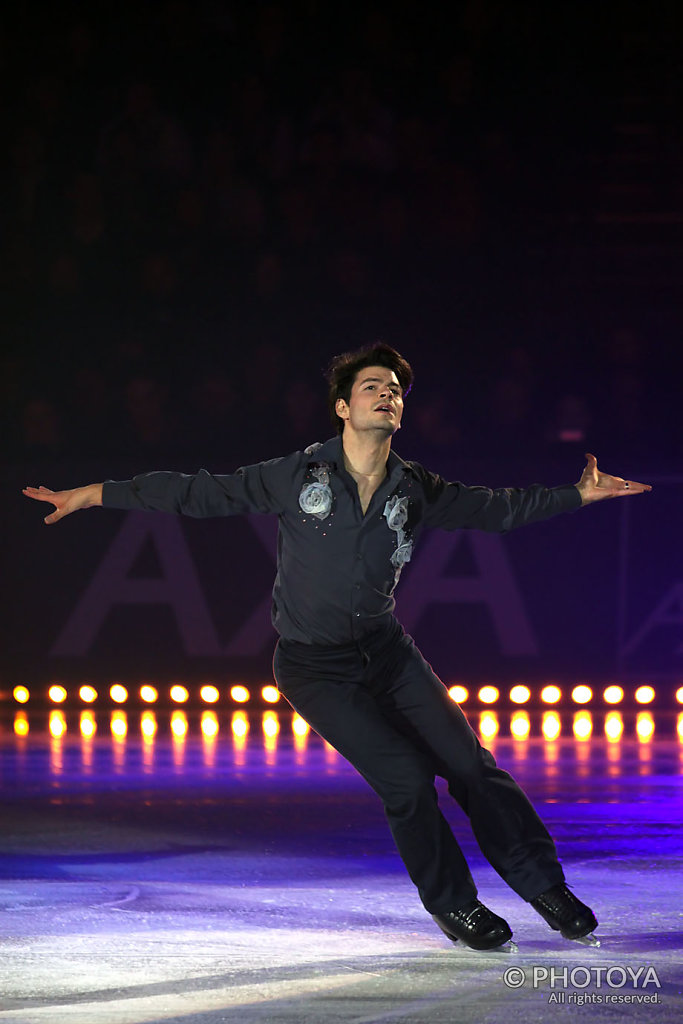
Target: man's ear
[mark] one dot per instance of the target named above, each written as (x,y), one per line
(341,409)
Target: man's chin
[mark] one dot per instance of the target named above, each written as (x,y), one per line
(387,429)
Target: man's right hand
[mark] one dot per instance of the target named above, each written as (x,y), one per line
(66,502)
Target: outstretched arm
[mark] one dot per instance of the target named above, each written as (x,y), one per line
(452,506)
(266,487)
(66,501)
(594,485)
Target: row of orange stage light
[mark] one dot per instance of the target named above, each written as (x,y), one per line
(146,694)
(178,694)
(584,725)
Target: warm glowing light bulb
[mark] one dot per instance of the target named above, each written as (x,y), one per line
(582,694)
(551,725)
(239,724)
(613,695)
(679,694)
(645,726)
(488,695)
(57,724)
(209,724)
(21,726)
(148,725)
(299,726)
(119,725)
(645,695)
(179,724)
(520,694)
(520,725)
(240,694)
(21,694)
(57,694)
(458,693)
(209,694)
(488,724)
(88,725)
(88,694)
(582,725)
(551,694)
(149,694)
(614,726)
(679,726)
(118,693)
(270,694)
(179,694)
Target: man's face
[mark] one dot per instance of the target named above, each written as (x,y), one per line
(375,403)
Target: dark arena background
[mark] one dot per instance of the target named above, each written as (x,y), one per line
(202,203)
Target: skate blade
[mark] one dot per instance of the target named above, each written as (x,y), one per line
(588,940)
(505,947)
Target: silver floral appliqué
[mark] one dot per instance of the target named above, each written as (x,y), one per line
(316,497)
(396,515)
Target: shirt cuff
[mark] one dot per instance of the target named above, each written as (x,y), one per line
(119,494)
(570,497)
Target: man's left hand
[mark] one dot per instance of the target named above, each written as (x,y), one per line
(594,485)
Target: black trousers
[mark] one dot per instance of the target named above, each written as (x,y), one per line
(380,704)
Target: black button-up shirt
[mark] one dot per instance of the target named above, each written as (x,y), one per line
(335,576)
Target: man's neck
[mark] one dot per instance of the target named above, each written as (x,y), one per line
(365,454)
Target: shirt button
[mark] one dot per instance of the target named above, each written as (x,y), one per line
(359,557)
(356,586)
(357,615)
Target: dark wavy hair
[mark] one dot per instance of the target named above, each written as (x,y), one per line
(343,369)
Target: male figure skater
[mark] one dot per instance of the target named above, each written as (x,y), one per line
(350,512)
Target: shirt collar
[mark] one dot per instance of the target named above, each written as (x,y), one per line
(332,452)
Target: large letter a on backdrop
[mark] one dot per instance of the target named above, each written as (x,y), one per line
(178,586)
(493,585)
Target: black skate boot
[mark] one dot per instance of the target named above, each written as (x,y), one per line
(475,925)
(566,914)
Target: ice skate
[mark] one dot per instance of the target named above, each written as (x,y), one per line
(477,927)
(566,914)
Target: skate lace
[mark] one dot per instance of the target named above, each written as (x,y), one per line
(562,902)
